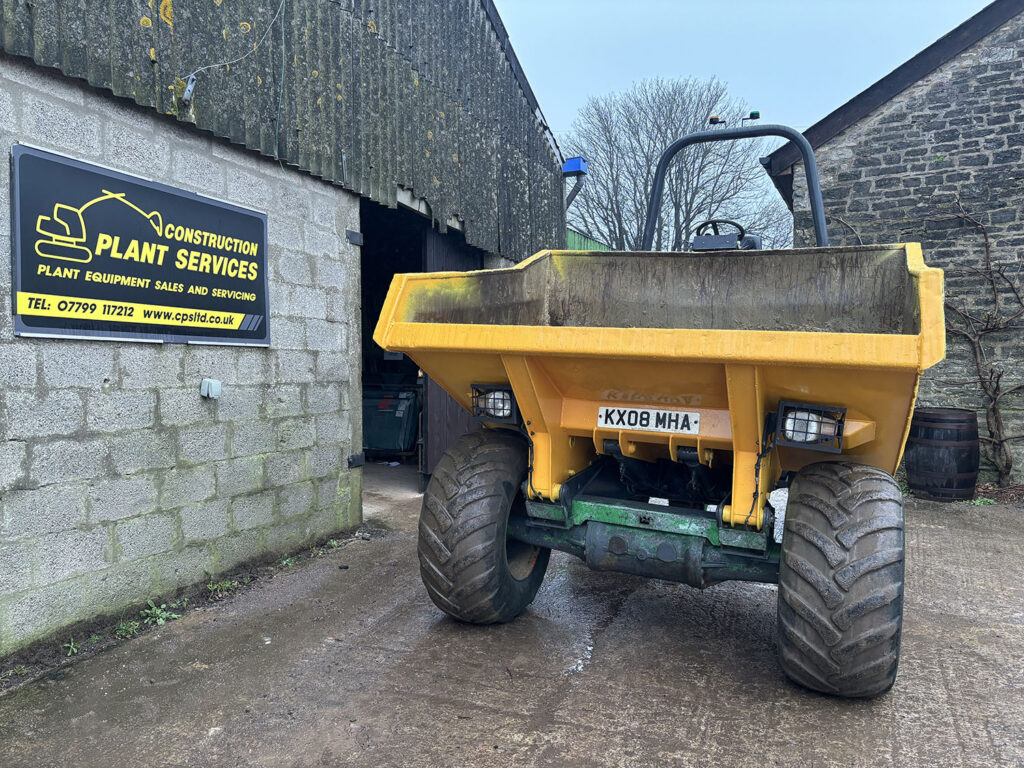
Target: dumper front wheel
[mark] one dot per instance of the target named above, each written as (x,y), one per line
(471,569)
(841,580)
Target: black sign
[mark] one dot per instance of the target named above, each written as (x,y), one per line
(105,255)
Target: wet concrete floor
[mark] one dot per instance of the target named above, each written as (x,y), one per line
(324,666)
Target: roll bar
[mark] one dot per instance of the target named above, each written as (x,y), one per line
(731,134)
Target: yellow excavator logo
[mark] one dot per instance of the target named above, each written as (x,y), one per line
(63,232)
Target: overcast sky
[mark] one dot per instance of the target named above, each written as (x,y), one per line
(794,60)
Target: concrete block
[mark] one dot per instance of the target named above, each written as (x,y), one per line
(295,433)
(52,123)
(335,366)
(207,520)
(87,364)
(120,411)
(252,511)
(249,189)
(293,267)
(323,398)
(40,612)
(145,449)
(340,305)
(325,460)
(252,437)
(62,460)
(320,242)
(284,231)
(286,467)
(10,116)
(294,500)
(200,362)
(17,565)
(51,414)
(293,195)
(328,492)
(128,115)
(253,364)
(185,407)
(43,510)
(240,403)
(144,536)
(69,553)
(288,537)
(196,171)
(333,427)
(324,522)
(279,294)
(136,150)
(325,335)
(283,401)
(119,586)
(43,80)
(184,566)
(334,274)
(239,476)
(325,211)
(13,465)
(18,364)
(307,302)
(187,485)
(121,497)
(201,444)
(149,366)
(288,333)
(295,366)
(229,551)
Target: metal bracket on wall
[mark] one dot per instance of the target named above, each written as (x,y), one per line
(356,460)
(356,238)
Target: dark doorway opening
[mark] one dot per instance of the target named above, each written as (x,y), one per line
(406,416)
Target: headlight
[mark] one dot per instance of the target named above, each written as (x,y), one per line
(807,427)
(498,403)
(494,403)
(819,427)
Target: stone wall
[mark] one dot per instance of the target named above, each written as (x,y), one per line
(896,176)
(118,482)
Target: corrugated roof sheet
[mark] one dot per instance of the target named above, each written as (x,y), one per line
(375,95)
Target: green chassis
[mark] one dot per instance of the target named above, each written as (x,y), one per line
(650,540)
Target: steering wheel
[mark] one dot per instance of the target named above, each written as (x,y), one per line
(713,224)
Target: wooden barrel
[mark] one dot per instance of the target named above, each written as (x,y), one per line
(943,453)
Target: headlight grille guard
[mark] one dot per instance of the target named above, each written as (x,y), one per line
(815,439)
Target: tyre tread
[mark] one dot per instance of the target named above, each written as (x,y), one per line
(461,529)
(841,579)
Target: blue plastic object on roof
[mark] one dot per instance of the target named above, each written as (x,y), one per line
(575,166)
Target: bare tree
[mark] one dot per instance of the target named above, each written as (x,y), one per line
(622,135)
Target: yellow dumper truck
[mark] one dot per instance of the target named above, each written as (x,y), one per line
(639,407)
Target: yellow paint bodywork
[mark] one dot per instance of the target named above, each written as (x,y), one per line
(562,375)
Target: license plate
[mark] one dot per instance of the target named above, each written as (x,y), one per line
(649,420)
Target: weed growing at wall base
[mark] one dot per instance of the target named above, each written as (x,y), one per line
(158,615)
(127,628)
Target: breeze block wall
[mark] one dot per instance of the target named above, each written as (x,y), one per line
(118,482)
(897,176)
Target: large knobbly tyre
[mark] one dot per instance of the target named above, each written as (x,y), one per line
(470,570)
(841,580)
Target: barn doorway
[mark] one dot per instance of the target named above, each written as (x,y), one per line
(407,418)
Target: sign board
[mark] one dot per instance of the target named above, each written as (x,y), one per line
(104,255)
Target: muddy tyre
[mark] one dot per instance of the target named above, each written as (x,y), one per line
(840,613)
(471,570)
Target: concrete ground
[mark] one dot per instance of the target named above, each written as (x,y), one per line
(332,666)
